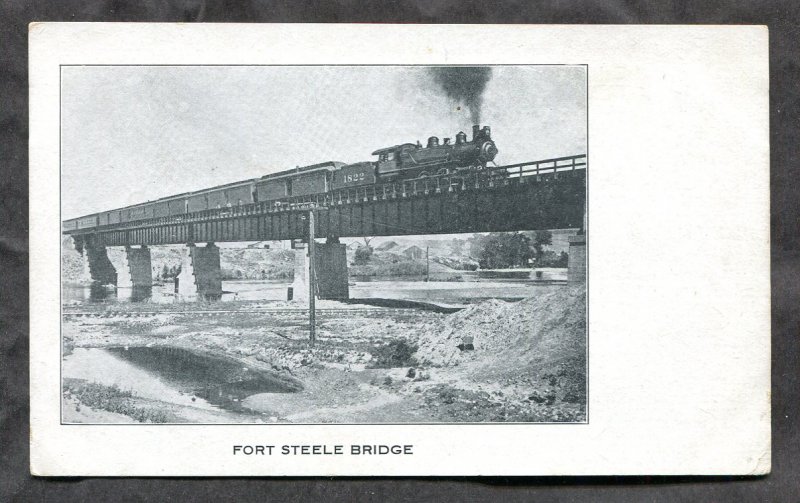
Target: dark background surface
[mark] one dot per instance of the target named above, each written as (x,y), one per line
(782,18)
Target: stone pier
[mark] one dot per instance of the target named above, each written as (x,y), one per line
(139,266)
(576,267)
(331,272)
(133,267)
(200,275)
(100,267)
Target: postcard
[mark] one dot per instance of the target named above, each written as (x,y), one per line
(270,250)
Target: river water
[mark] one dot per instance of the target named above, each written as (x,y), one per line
(173,375)
(469,290)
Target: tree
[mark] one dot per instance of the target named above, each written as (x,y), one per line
(563,260)
(475,244)
(363,255)
(499,251)
(550,259)
(456,246)
(541,239)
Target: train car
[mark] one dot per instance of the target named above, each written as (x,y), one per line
(271,189)
(216,198)
(109,217)
(313,179)
(240,194)
(224,196)
(166,207)
(196,202)
(301,181)
(87,222)
(177,206)
(353,175)
(151,207)
(311,183)
(138,212)
(69,225)
(160,208)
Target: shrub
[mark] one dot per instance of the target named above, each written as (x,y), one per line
(363,255)
(397,353)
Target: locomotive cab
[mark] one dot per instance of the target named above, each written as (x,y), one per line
(391,160)
(387,161)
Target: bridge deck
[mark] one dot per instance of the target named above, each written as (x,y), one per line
(547,194)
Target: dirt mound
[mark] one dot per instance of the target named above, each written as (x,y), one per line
(72,266)
(536,333)
(439,346)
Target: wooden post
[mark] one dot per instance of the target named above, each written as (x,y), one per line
(311,280)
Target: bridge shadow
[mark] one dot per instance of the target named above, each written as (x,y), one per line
(404,304)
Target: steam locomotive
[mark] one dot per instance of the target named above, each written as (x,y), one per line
(400,162)
(408,160)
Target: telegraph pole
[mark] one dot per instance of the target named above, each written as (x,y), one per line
(312,280)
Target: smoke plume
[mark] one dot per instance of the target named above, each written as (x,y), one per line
(463,84)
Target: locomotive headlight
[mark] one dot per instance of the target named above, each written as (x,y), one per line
(488,150)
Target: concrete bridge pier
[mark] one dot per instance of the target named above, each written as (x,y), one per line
(331,271)
(201,276)
(576,267)
(101,270)
(133,267)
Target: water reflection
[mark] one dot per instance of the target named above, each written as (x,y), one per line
(165,293)
(141,293)
(97,293)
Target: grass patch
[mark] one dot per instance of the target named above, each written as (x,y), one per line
(112,399)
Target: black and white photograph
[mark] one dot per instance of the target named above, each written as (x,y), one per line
(340,244)
(399,250)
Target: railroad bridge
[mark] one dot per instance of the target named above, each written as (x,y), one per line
(546,194)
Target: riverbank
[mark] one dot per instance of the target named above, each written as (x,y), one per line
(369,364)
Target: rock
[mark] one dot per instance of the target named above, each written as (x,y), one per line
(411,373)
(537,397)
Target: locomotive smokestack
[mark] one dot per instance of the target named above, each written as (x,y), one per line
(476,131)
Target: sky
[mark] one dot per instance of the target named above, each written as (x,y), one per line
(131,134)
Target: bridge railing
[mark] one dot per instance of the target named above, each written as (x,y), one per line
(435,184)
(569,163)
